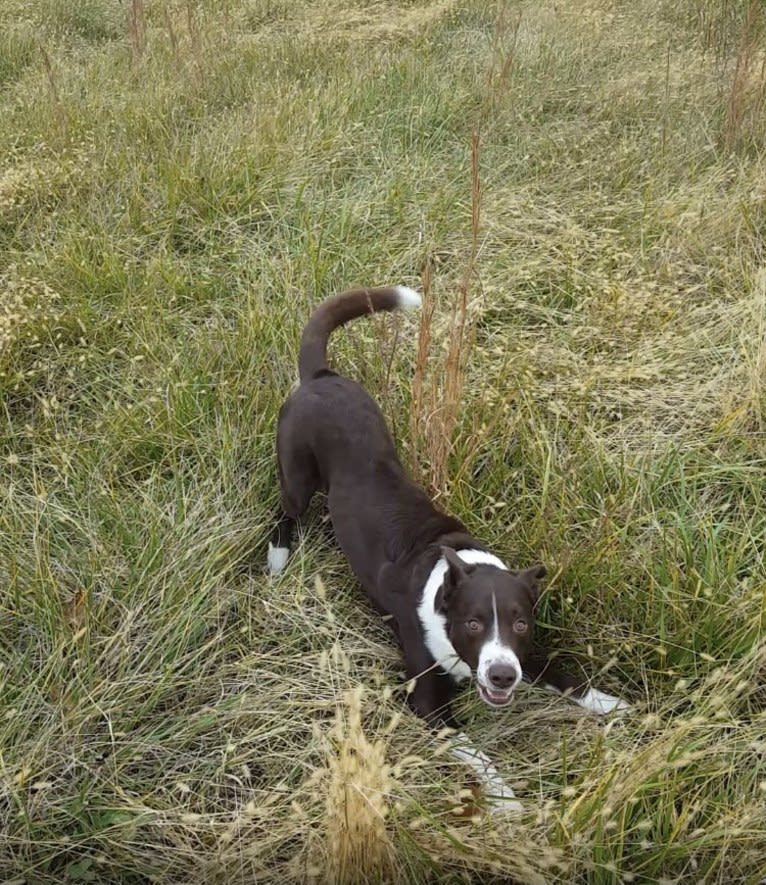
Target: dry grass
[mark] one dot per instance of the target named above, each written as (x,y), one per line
(437,386)
(579,189)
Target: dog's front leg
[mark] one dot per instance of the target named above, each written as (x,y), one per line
(545,672)
(500,797)
(430,695)
(432,690)
(430,699)
(596,701)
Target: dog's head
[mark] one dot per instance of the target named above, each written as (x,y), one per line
(490,615)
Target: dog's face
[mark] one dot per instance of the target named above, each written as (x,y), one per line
(490,618)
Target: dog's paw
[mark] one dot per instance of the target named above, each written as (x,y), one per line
(277,558)
(498,797)
(494,798)
(601,703)
(501,799)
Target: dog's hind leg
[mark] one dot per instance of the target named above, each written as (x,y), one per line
(279,545)
(298,480)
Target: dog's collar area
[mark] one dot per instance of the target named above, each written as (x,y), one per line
(473,556)
(456,667)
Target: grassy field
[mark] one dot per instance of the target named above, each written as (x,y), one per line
(580,189)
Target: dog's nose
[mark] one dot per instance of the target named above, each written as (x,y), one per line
(501,676)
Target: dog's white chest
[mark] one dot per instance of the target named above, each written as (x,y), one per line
(435,624)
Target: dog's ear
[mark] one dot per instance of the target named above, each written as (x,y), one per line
(456,568)
(457,571)
(532,577)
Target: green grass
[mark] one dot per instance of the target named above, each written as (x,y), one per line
(174,197)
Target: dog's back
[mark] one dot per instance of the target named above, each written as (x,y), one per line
(332,436)
(340,422)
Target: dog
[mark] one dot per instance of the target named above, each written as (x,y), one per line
(457,610)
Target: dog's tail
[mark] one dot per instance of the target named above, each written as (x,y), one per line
(339,310)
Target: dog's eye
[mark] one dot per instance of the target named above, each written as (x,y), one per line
(474,626)
(520,626)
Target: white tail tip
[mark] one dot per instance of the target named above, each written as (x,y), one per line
(408,298)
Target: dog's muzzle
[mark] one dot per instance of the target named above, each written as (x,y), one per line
(493,698)
(497,686)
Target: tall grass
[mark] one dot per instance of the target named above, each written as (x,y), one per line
(578,189)
(438,383)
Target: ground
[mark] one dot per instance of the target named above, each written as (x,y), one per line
(578,189)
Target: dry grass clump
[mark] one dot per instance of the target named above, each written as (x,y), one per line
(746,98)
(646,363)
(691,753)
(29,312)
(437,384)
(16,182)
(749,399)
(359,788)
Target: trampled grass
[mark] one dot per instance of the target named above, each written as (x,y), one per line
(180,183)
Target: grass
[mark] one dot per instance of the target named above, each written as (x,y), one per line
(579,187)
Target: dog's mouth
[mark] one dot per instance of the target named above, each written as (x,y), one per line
(495,698)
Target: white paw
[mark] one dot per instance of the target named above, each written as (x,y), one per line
(501,799)
(601,703)
(277,558)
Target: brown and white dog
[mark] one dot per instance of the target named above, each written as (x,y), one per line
(457,609)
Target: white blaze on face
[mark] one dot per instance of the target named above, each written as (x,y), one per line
(493,652)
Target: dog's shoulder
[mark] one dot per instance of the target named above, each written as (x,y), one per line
(416,532)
